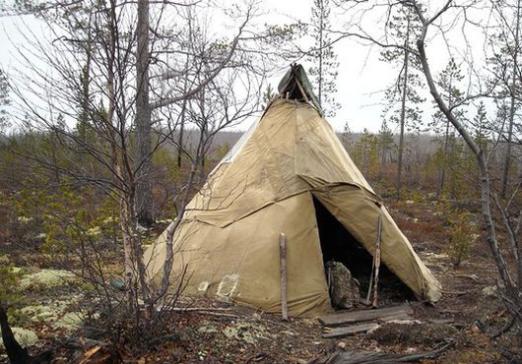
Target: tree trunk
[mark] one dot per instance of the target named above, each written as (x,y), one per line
(15,353)
(183,112)
(485,188)
(143,118)
(507,158)
(403,112)
(442,175)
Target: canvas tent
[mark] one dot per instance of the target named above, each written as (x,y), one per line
(285,168)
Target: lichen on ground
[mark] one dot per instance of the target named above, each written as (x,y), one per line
(247,332)
(46,278)
(24,337)
(70,321)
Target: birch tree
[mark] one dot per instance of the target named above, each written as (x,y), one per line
(431,20)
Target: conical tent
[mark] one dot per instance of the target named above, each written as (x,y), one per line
(227,245)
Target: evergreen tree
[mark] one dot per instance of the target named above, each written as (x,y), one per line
(402,98)
(346,135)
(323,58)
(482,128)
(449,82)
(386,143)
(366,153)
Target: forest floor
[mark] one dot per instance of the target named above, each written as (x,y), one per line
(467,313)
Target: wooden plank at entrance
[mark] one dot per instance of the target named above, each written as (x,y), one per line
(383,314)
(330,332)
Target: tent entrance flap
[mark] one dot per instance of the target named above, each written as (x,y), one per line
(338,244)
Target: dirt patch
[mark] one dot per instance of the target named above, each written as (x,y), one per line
(413,333)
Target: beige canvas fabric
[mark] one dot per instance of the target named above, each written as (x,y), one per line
(228,240)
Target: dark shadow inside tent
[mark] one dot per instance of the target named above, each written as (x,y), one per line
(338,244)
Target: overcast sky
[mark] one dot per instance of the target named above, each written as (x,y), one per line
(362,77)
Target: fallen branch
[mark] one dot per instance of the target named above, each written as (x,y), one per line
(190,309)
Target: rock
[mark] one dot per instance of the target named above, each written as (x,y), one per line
(344,290)
(289,333)
(490,291)
(24,337)
(207,329)
(341,345)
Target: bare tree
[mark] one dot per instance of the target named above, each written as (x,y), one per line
(506,65)
(432,20)
(96,98)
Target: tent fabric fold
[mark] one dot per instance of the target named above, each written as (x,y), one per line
(228,240)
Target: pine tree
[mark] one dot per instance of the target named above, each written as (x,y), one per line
(386,143)
(482,128)
(402,98)
(449,81)
(323,58)
(346,135)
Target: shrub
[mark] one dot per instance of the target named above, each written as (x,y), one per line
(461,236)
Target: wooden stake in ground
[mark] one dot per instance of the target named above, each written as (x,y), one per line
(377,260)
(370,285)
(282,267)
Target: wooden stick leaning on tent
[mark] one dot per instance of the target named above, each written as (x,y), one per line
(283,273)
(377,262)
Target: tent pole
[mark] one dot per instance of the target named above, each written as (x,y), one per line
(370,285)
(302,90)
(377,259)
(282,267)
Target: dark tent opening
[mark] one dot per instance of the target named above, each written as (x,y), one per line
(338,244)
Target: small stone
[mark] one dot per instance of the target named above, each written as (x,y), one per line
(489,291)
(409,202)
(341,345)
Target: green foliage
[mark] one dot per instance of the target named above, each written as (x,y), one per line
(9,277)
(64,217)
(482,127)
(386,143)
(365,153)
(461,236)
